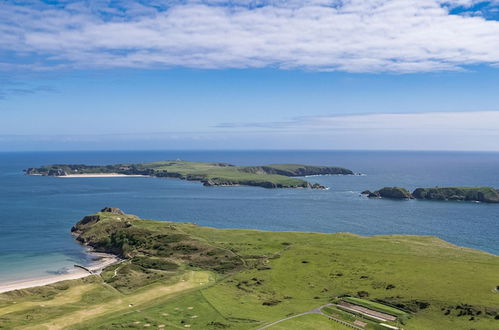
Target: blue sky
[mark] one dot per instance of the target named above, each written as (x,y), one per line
(313,74)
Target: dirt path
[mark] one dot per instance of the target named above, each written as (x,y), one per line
(190,280)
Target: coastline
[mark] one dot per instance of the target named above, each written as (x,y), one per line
(104,261)
(100,175)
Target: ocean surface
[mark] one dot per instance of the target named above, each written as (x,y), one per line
(36,213)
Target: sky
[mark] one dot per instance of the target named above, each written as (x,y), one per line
(194,74)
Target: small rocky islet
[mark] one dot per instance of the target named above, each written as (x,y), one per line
(472,194)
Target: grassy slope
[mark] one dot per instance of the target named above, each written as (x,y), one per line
(291,272)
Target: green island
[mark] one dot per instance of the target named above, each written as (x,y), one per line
(474,194)
(210,174)
(181,275)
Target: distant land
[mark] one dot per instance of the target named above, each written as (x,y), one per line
(180,275)
(473,194)
(210,174)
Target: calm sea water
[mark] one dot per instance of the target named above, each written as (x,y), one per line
(36,213)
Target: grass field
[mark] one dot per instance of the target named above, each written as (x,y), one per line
(267,276)
(310,322)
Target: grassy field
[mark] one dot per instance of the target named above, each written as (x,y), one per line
(310,322)
(265,277)
(210,174)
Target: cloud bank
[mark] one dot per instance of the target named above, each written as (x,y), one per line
(324,35)
(476,131)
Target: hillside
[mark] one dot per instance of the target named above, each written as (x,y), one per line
(210,174)
(180,275)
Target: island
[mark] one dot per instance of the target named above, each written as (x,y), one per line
(474,194)
(389,192)
(180,275)
(210,174)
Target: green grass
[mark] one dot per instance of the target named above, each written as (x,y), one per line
(310,322)
(375,306)
(280,274)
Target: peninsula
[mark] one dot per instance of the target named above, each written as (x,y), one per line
(180,275)
(474,194)
(210,174)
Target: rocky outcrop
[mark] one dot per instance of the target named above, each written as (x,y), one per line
(391,193)
(57,172)
(478,194)
(114,210)
(475,194)
(86,221)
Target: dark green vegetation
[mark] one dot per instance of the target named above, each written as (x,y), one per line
(210,174)
(389,192)
(180,275)
(480,194)
(477,194)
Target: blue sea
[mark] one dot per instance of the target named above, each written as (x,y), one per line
(36,213)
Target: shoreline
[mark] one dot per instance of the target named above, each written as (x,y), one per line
(104,261)
(101,175)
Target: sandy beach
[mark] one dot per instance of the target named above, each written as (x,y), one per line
(76,273)
(101,175)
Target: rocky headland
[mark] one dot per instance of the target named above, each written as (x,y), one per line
(472,194)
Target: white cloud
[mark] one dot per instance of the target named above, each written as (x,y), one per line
(346,35)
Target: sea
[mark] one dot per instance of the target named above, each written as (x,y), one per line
(36,213)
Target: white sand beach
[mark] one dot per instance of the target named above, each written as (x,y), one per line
(76,273)
(101,175)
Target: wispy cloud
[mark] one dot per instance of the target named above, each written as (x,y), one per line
(346,35)
(13,87)
(455,122)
